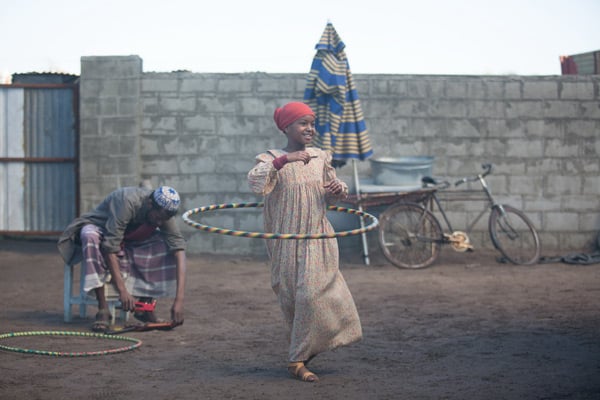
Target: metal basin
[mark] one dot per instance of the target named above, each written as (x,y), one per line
(396,171)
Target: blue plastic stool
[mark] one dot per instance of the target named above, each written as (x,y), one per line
(82,299)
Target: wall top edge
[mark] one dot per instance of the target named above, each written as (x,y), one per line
(356,74)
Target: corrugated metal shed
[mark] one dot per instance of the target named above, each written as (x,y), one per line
(38,158)
(581,64)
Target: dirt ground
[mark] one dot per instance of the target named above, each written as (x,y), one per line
(465,328)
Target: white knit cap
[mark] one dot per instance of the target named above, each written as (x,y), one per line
(167,197)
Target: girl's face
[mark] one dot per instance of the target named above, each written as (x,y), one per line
(301,131)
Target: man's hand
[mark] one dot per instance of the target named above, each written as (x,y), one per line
(127,300)
(177,312)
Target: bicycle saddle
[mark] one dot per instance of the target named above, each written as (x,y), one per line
(428,181)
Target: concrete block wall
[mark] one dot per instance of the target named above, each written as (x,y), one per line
(109,121)
(200,133)
(541,133)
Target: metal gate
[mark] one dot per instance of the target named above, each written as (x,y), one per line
(39,158)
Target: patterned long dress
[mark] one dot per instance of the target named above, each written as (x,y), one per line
(317,306)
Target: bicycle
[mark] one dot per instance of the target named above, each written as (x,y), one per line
(411,236)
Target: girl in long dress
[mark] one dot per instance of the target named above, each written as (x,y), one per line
(298,183)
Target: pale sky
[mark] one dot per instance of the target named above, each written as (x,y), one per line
(441,37)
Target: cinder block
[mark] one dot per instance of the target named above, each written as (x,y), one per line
(280,86)
(513,90)
(199,123)
(159,124)
(117,126)
(179,105)
(456,89)
(591,185)
(159,85)
(540,89)
(525,184)
(200,83)
(546,128)
(533,148)
(576,91)
(557,148)
(564,184)
(561,221)
(589,221)
(581,128)
(235,83)
(476,89)
(109,67)
(562,109)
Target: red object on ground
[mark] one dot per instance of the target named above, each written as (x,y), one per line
(141,306)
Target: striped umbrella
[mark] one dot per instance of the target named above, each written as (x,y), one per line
(331,93)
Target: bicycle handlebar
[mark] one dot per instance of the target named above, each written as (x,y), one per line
(487,170)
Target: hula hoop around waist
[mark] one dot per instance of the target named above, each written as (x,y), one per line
(262,235)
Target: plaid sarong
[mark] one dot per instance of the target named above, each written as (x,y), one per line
(147,266)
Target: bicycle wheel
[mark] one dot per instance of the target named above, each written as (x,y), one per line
(514,235)
(409,235)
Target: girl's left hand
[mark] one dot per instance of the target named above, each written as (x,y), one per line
(334,186)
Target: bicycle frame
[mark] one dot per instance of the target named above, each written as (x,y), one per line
(488,198)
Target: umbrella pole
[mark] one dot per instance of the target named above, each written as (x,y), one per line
(362,221)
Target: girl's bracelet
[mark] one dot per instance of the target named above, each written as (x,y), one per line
(280,161)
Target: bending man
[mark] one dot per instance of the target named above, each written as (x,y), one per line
(132,240)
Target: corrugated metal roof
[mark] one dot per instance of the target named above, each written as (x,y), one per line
(44,78)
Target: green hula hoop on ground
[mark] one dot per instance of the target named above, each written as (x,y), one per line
(262,235)
(136,343)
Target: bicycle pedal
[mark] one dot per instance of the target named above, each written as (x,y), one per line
(460,241)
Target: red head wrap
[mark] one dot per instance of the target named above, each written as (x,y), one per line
(290,112)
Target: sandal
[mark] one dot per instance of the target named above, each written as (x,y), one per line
(309,359)
(102,322)
(298,370)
